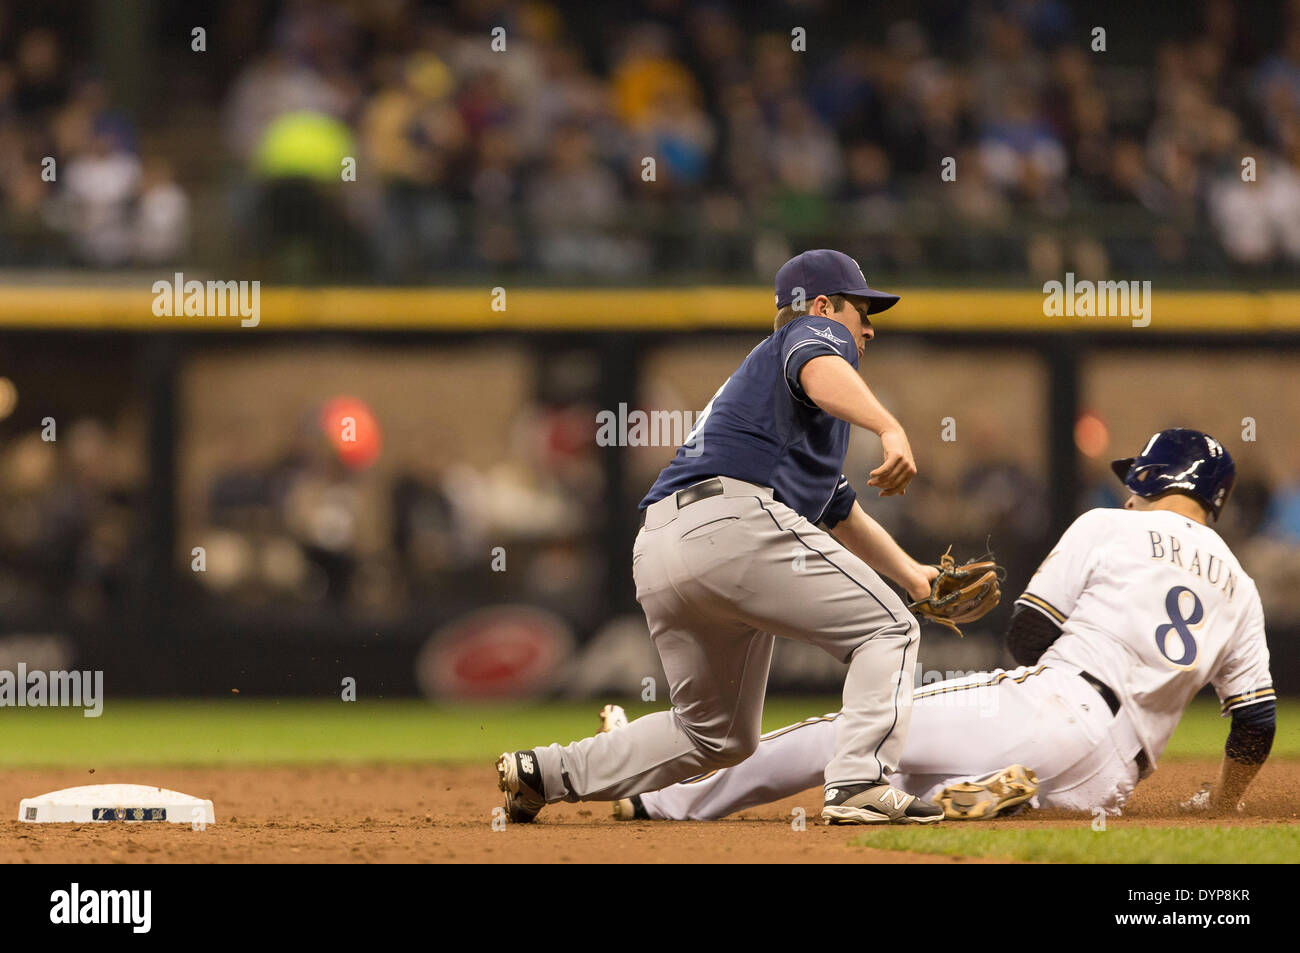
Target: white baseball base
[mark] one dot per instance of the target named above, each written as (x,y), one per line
(131,803)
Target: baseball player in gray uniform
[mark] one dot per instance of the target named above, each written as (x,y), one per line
(734,550)
(1130,615)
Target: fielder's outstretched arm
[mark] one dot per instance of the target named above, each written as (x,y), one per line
(869,541)
(833,385)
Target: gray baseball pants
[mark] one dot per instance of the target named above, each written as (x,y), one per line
(718,579)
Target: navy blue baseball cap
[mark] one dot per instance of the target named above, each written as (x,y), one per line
(823,271)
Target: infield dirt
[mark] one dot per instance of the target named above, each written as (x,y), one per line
(393,813)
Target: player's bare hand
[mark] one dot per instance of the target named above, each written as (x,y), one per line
(919,588)
(1199,802)
(1204,802)
(892,476)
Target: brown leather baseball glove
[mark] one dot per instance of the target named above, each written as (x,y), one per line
(961,593)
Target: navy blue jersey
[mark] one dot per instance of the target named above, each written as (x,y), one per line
(760,427)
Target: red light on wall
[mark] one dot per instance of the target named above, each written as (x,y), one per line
(1091,435)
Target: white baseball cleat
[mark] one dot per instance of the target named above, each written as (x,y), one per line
(630,809)
(999,793)
(520,780)
(612,718)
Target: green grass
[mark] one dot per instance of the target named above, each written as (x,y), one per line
(1202,731)
(254,731)
(1272,844)
(251,731)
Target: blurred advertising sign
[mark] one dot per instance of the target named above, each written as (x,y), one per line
(507,651)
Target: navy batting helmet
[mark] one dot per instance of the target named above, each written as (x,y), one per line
(1179,459)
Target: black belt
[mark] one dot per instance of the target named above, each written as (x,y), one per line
(1112,702)
(693,494)
(1104,690)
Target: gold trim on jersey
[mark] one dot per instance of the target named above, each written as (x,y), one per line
(1244,699)
(995,680)
(1038,602)
(701,777)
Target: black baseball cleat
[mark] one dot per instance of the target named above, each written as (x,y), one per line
(876,804)
(520,778)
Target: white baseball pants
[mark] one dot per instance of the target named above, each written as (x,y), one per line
(1047,719)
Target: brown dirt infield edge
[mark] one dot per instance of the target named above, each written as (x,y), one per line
(388,813)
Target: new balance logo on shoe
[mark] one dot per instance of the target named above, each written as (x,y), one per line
(526,763)
(895,797)
(830,795)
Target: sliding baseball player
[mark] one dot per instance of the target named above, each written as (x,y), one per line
(1131,614)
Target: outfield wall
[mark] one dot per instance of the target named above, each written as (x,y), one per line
(124,308)
(315,569)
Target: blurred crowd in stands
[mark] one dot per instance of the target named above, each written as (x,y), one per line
(305,533)
(533,156)
(308,528)
(70,527)
(639,142)
(74,187)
